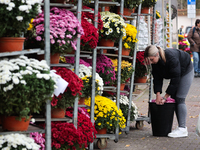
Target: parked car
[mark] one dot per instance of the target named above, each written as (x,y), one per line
(187,30)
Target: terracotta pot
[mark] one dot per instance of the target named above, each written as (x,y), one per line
(145,10)
(11,44)
(57,113)
(141,79)
(10,123)
(101,131)
(126,11)
(81,101)
(58,1)
(107,8)
(108,43)
(122,85)
(54,59)
(125,51)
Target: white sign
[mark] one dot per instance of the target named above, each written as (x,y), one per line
(191,9)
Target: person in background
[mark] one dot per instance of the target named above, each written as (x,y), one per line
(180,31)
(175,65)
(194,40)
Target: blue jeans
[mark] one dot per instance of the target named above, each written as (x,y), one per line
(196,62)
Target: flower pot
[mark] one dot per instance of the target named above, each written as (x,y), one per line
(122,85)
(81,101)
(58,1)
(10,123)
(11,44)
(145,10)
(126,11)
(125,51)
(141,79)
(108,42)
(54,59)
(102,131)
(57,113)
(107,8)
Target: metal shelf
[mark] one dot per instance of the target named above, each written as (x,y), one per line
(67,119)
(116,55)
(104,3)
(23,52)
(69,66)
(31,128)
(60,5)
(82,55)
(109,136)
(135,14)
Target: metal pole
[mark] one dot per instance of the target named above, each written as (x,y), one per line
(47,58)
(94,55)
(177,31)
(133,74)
(77,60)
(170,27)
(119,71)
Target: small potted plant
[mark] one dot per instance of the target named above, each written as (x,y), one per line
(141,71)
(25,85)
(15,21)
(18,141)
(64,31)
(126,71)
(146,4)
(128,41)
(106,114)
(113,28)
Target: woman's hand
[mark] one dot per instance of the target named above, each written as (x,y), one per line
(159,99)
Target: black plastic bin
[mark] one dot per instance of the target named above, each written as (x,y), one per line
(161,118)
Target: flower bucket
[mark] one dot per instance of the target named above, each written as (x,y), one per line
(145,10)
(10,123)
(122,85)
(161,118)
(125,51)
(57,113)
(81,101)
(54,59)
(108,43)
(141,79)
(102,131)
(11,44)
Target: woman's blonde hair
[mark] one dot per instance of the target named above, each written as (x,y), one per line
(152,50)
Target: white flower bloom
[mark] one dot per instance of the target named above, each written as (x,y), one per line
(23,82)
(15,80)
(23,7)
(19,18)
(46,76)
(11,4)
(39,76)
(9,8)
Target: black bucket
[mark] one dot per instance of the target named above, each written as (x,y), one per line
(161,118)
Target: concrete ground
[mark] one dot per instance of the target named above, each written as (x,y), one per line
(144,140)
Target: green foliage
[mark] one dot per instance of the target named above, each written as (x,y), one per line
(130,3)
(148,3)
(10,26)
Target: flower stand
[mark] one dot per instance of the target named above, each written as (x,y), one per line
(10,123)
(57,113)
(11,44)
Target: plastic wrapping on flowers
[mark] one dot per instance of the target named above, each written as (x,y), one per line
(74,88)
(106,114)
(126,70)
(64,30)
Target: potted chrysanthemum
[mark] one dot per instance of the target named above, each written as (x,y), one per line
(146,4)
(113,28)
(126,71)
(25,85)
(64,31)
(106,114)
(15,19)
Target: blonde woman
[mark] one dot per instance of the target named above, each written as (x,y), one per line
(175,65)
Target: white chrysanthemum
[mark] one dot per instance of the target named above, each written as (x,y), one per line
(9,8)
(23,82)
(39,76)
(46,76)
(15,80)
(19,18)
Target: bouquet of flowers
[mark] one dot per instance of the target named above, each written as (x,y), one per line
(107,115)
(130,39)
(158,14)
(126,70)
(104,67)
(16,16)
(124,106)
(38,138)
(64,30)
(18,141)
(26,83)
(182,45)
(73,89)
(140,68)
(113,26)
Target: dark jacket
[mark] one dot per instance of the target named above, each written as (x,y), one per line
(194,39)
(177,62)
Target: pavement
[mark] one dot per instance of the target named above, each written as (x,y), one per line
(144,140)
